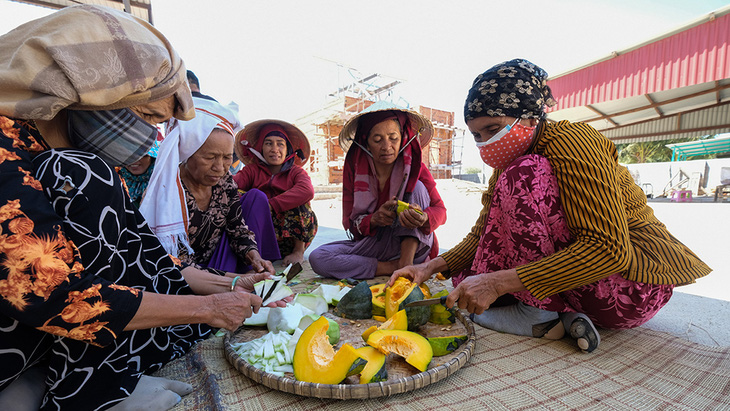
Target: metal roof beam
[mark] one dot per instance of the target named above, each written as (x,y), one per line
(715,89)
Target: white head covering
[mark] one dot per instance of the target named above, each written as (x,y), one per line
(164,205)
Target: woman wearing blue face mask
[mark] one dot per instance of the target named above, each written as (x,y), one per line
(565,239)
(89,300)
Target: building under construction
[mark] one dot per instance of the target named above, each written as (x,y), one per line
(322,127)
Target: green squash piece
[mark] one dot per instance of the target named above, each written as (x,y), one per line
(357,304)
(439,313)
(375,370)
(417,316)
(446,345)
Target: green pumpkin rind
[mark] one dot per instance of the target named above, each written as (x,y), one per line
(357,304)
(417,316)
(357,366)
(440,314)
(376,369)
(446,345)
(316,361)
(378,291)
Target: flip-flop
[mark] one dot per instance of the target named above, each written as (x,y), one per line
(584,333)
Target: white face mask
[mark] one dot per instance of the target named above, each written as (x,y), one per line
(503,132)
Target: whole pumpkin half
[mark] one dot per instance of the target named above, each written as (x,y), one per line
(316,361)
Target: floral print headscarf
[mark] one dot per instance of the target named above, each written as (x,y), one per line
(515,88)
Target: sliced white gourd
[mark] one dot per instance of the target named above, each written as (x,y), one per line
(328,292)
(281,290)
(284,318)
(292,344)
(258,319)
(336,299)
(314,302)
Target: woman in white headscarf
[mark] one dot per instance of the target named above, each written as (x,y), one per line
(204,225)
(90,301)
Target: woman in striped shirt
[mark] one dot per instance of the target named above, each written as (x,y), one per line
(565,235)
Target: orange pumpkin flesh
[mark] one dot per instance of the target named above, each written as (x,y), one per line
(316,361)
(397,322)
(413,347)
(396,293)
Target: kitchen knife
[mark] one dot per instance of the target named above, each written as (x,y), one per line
(428,301)
(287,275)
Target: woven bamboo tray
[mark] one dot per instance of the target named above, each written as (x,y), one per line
(402,377)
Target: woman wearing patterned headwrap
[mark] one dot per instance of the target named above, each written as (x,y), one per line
(274,152)
(565,233)
(90,302)
(383,165)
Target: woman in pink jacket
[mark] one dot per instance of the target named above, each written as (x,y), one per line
(274,152)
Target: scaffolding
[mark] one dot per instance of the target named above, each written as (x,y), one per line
(354,93)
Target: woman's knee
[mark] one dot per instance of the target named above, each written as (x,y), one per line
(420,195)
(255,195)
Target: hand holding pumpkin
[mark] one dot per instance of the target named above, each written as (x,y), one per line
(417,273)
(413,217)
(476,293)
(385,214)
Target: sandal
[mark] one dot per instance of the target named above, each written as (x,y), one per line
(582,330)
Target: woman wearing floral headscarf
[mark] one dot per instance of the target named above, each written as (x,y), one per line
(89,300)
(565,233)
(274,152)
(383,166)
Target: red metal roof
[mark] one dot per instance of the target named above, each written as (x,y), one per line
(686,57)
(674,86)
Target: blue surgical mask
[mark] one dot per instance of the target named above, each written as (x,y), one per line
(501,133)
(119,137)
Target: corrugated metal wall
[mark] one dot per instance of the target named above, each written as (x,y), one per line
(696,55)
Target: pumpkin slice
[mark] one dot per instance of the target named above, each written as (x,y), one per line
(402,292)
(414,348)
(357,304)
(439,313)
(378,291)
(333,332)
(375,369)
(446,345)
(396,322)
(316,361)
(425,290)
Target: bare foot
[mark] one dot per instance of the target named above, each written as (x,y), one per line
(295,257)
(154,394)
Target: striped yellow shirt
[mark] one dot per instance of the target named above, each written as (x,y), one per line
(615,231)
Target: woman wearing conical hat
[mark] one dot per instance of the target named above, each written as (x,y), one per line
(383,166)
(274,152)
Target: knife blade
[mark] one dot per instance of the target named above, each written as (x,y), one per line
(287,275)
(428,301)
(296,269)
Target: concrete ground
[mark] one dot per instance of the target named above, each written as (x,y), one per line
(698,312)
